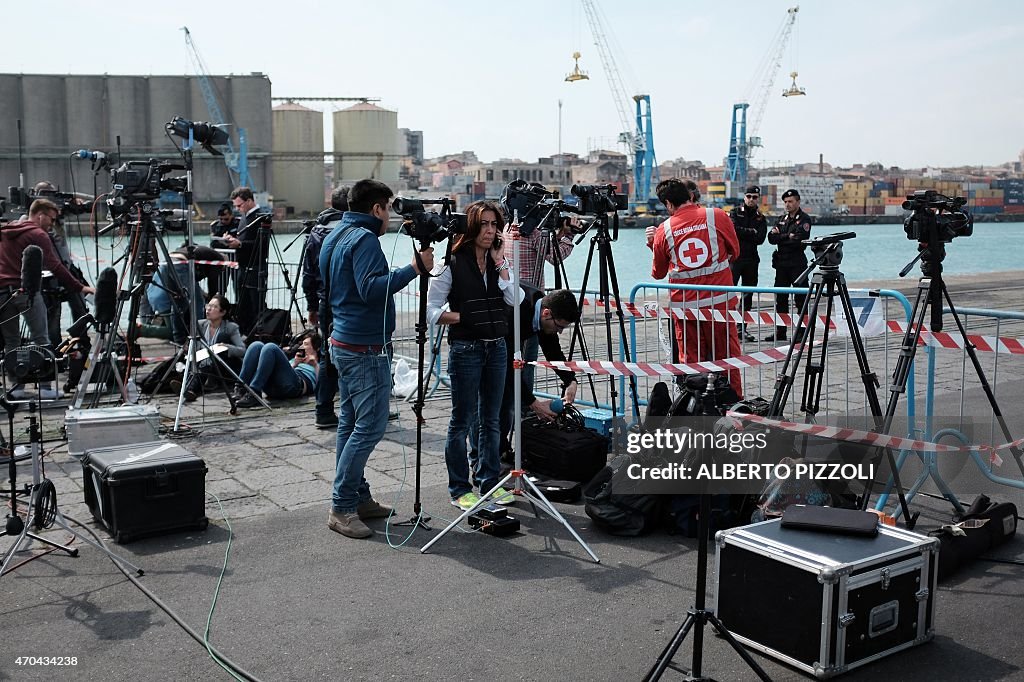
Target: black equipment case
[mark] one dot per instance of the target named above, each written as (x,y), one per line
(145,489)
(563,452)
(822,602)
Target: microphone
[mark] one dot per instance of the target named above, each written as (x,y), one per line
(89,154)
(99,159)
(106,296)
(79,327)
(557,406)
(31,270)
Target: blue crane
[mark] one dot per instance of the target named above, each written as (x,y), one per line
(741,147)
(236,162)
(639,140)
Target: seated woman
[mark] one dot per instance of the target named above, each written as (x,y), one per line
(266,369)
(217,330)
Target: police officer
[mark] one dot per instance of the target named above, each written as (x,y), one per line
(789,259)
(751,229)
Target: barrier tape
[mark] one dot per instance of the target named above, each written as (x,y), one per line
(985,344)
(659,369)
(223,263)
(872,438)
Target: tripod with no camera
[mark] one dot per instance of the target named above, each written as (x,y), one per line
(828,283)
(42,511)
(522,486)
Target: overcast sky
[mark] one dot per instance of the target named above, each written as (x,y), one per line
(936,82)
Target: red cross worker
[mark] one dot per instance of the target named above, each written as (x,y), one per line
(696,245)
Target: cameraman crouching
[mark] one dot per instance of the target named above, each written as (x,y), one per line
(14,239)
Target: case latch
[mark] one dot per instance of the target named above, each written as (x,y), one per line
(846,619)
(885,578)
(921,595)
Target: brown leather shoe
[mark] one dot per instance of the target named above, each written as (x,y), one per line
(348,525)
(372,509)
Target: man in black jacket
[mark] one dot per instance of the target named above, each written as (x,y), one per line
(252,248)
(317,307)
(789,260)
(751,229)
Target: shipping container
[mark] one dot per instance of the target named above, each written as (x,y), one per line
(1014,210)
(856,210)
(875,210)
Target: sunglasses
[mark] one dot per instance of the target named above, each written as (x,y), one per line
(753,196)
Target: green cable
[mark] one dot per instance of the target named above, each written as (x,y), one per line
(216,592)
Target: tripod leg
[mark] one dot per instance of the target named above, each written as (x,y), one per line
(737,647)
(996,411)
(787,376)
(668,653)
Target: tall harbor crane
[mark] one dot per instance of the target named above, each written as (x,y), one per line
(639,140)
(237,162)
(741,147)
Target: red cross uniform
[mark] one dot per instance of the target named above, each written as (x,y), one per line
(696,245)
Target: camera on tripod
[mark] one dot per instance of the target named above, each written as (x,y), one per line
(29,364)
(138,184)
(936,216)
(538,207)
(429,227)
(595,199)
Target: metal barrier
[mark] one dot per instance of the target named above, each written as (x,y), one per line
(950,372)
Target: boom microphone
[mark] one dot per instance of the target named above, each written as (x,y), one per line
(106,296)
(31,270)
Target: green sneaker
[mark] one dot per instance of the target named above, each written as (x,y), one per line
(502,496)
(467,501)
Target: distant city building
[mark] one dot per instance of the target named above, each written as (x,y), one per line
(413,149)
(817,192)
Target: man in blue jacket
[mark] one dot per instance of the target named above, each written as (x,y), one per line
(360,287)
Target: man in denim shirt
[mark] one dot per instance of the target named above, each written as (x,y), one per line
(360,288)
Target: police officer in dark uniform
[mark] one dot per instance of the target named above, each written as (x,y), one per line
(789,260)
(751,229)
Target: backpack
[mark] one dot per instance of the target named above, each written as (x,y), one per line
(619,513)
(272,326)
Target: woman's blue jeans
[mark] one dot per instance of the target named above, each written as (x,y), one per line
(265,368)
(477,373)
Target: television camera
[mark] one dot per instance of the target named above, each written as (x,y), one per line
(429,227)
(936,217)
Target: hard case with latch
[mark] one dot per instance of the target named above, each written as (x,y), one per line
(822,602)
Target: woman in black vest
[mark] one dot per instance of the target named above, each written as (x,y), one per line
(478,287)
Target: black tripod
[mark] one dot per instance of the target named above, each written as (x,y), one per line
(551,246)
(254,278)
(829,282)
(934,229)
(418,518)
(699,615)
(608,291)
(42,510)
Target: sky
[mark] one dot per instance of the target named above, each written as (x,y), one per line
(908,83)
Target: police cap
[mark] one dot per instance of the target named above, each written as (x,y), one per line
(790,193)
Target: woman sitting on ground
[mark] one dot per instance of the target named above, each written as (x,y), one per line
(217,330)
(266,369)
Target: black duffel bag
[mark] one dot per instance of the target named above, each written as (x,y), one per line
(563,449)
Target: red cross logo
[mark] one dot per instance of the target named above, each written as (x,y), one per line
(692,253)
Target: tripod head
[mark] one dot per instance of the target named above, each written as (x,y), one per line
(828,254)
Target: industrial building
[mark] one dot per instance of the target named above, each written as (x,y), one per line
(63,113)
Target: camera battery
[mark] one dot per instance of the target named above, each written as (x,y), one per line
(501,527)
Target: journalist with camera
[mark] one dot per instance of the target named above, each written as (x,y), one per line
(15,238)
(360,288)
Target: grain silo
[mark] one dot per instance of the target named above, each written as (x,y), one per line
(366,144)
(298,159)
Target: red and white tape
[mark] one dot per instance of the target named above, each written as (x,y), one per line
(876,439)
(660,369)
(985,344)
